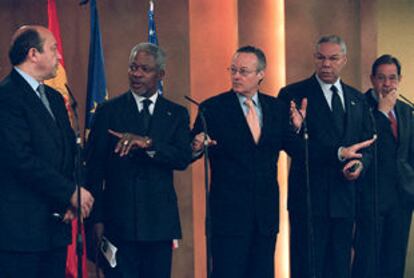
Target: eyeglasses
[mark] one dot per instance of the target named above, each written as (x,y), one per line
(142,68)
(383,78)
(243,72)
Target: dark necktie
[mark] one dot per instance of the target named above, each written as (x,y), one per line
(394,125)
(146,116)
(338,111)
(43,98)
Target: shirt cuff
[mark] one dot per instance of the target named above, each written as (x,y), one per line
(340,157)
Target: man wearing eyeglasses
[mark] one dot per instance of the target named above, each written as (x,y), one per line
(136,142)
(247,129)
(387,198)
(337,120)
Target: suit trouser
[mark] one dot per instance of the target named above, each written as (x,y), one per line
(33,264)
(142,259)
(332,242)
(243,256)
(392,234)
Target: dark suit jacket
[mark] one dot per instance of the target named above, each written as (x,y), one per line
(36,168)
(134,195)
(244,193)
(395,161)
(332,195)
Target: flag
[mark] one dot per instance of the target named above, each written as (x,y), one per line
(152,34)
(59,83)
(96,89)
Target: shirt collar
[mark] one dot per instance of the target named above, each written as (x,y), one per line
(32,82)
(153,98)
(374,94)
(327,86)
(242,98)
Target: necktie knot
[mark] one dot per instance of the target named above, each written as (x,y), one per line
(41,89)
(249,103)
(334,89)
(146,104)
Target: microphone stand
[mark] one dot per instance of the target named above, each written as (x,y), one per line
(309,221)
(375,213)
(206,185)
(407,101)
(78,177)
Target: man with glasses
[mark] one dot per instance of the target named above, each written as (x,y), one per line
(337,119)
(136,142)
(247,130)
(384,215)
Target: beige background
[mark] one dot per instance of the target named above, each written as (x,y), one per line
(199,37)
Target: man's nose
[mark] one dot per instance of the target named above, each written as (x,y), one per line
(326,62)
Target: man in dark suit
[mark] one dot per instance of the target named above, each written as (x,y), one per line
(37,192)
(337,119)
(136,142)
(248,129)
(386,199)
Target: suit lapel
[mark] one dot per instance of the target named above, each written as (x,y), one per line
(350,106)
(266,120)
(36,105)
(161,119)
(402,124)
(130,115)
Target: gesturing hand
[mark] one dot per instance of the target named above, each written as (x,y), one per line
(351,152)
(297,116)
(129,141)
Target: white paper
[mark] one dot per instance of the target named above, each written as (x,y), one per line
(109,251)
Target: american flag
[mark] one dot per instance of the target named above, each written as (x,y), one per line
(152,34)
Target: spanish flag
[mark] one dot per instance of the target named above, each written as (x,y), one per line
(59,83)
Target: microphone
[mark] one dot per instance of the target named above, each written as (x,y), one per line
(193,101)
(406,100)
(196,103)
(73,102)
(373,122)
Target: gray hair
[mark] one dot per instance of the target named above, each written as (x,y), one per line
(261,58)
(151,49)
(332,39)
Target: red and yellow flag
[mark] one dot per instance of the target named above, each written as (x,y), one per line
(59,83)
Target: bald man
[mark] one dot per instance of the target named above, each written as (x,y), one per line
(37,192)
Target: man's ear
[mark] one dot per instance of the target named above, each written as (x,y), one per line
(32,54)
(261,74)
(161,74)
(371,77)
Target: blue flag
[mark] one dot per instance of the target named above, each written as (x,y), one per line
(152,34)
(96,90)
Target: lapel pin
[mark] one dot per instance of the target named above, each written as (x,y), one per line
(169,113)
(352,102)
